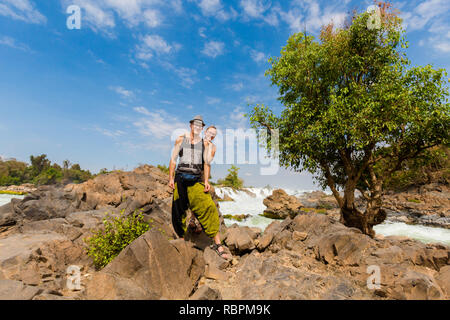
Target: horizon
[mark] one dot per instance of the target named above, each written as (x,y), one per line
(111,94)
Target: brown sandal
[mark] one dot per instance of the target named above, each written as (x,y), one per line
(216,247)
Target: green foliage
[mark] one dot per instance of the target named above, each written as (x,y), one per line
(163,168)
(431,166)
(40,172)
(352,100)
(49,176)
(232,179)
(118,232)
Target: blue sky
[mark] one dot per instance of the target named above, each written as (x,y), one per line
(110,94)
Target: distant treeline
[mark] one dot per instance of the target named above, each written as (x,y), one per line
(41,172)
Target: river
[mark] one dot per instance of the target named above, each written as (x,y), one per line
(247,204)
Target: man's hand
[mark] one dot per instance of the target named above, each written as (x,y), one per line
(207,187)
(172,183)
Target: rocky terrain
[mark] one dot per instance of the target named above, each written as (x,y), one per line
(307,255)
(426,205)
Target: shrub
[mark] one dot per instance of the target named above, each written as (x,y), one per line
(118,233)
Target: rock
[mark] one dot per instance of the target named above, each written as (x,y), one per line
(281,205)
(106,286)
(419,202)
(144,188)
(47,296)
(152,267)
(419,286)
(206,293)
(267,237)
(319,200)
(227,198)
(213,259)
(16,290)
(299,236)
(239,241)
(443,279)
(211,272)
(40,258)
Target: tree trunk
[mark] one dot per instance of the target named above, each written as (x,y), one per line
(354,218)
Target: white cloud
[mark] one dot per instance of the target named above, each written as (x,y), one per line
(213,48)
(237,86)
(212,100)
(110,133)
(102,15)
(153,18)
(215,8)
(13,43)
(308,14)
(258,56)
(238,120)
(259,10)
(424,13)
(158,123)
(23,10)
(431,15)
(122,91)
(154,44)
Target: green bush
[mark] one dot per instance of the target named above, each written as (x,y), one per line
(118,233)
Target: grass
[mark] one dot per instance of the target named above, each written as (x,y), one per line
(414,200)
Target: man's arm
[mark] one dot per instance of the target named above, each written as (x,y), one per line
(173,161)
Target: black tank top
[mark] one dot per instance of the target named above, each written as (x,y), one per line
(191,157)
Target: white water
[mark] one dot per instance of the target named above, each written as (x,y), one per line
(419,232)
(6,198)
(246,204)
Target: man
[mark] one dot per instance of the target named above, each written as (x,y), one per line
(191,187)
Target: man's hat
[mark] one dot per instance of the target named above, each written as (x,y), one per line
(199,118)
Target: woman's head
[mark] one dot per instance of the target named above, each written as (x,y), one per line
(210,133)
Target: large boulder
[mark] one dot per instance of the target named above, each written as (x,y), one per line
(151,267)
(280,205)
(239,240)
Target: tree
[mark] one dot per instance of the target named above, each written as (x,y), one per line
(232,179)
(39,164)
(351,101)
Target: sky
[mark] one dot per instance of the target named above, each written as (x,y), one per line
(111,93)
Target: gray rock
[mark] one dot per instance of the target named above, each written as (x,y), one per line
(151,267)
(16,290)
(206,293)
